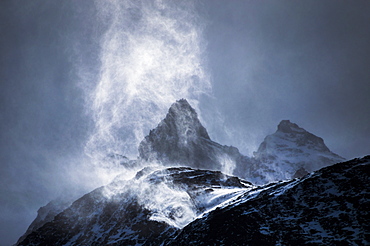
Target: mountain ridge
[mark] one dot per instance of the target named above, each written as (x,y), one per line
(145,210)
(322,207)
(290,152)
(199,176)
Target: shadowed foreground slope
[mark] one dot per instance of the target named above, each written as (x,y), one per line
(328,207)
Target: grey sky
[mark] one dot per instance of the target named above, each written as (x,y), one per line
(306,61)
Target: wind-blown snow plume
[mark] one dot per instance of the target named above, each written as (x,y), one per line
(165,203)
(151,55)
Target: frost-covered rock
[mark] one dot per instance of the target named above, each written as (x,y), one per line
(292,152)
(180,139)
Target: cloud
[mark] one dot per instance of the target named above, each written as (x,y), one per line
(150,55)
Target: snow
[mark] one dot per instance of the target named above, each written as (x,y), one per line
(73,240)
(290,149)
(177,208)
(220,199)
(289,184)
(176,205)
(265,230)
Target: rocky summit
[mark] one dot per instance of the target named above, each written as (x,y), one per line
(292,152)
(180,139)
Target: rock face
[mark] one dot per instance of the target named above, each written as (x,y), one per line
(292,152)
(328,207)
(146,210)
(180,139)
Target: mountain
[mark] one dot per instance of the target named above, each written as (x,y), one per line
(328,207)
(191,185)
(146,210)
(180,139)
(185,206)
(292,152)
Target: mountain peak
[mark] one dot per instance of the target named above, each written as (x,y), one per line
(301,137)
(181,139)
(179,132)
(288,127)
(292,148)
(289,135)
(184,120)
(183,104)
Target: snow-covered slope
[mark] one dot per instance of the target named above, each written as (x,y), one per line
(328,207)
(146,210)
(292,152)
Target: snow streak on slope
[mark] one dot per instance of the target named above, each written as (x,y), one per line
(150,56)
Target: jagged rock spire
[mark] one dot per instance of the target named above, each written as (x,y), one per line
(181,139)
(183,122)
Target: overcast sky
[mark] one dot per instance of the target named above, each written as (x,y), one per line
(306,61)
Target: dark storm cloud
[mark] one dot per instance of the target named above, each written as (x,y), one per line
(306,61)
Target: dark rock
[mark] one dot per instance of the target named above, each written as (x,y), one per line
(329,207)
